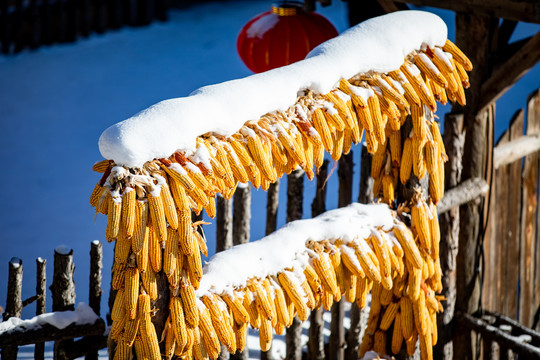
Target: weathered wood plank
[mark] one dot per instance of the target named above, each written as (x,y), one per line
(94,297)
(13,303)
(513,223)
(224,223)
(520,10)
(529,208)
(241,214)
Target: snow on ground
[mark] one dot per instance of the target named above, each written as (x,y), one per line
(56,101)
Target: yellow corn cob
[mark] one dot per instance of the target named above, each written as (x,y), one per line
(261,299)
(419,164)
(251,308)
(128,210)
(313,279)
(240,148)
(432,156)
(122,248)
(179,174)
(407,317)
(123,350)
(332,116)
(462,74)
(350,290)
(327,299)
(409,92)
(388,189)
(189,301)
(386,296)
(140,233)
(378,161)
(411,343)
(238,170)
(293,145)
(101,166)
(420,315)
(169,205)
(118,276)
(170,341)
(218,321)
(325,270)
(458,55)
(390,93)
(186,238)
(131,291)
(157,215)
(436,183)
(433,327)
(280,304)
(195,268)
(150,340)
(178,322)
(413,75)
(337,147)
(113,223)
(293,290)
(406,161)
(370,269)
(310,302)
(170,254)
(130,330)
(428,68)
(103,202)
(434,231)
(389,316)
(118,327)
(379,342)
(201,242)
(350,261)
(239,311)
(260,157)
(154,250)
(265,334)
(362,289)
(438,92)
(418,117)
(342,108)
(96,195)
(420,223)
(320,125)
(150,283)
(397,337)
(269,295)
(460,94)
(414,285)
(308,149)
(198,349)
(240,334)
(118,309)
(376,118)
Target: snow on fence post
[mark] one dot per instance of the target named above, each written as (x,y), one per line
(337,330)
(41,294)
(14,301)
(316,337)
(454,138)
(295,194)
(63,290)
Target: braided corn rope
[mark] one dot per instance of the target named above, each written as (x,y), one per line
(149,211)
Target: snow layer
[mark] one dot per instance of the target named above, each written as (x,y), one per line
(286,247)
(379,44)
(82,315)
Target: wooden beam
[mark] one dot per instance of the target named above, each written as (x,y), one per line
(463,193)
(511,71)
(519,10)
(514,150)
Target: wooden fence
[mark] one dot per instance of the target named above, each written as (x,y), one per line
(33,23)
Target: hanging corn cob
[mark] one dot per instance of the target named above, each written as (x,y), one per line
(149,204)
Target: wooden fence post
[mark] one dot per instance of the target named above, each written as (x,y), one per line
(529,225)
(63,291)
(272,204)
(41,294)
(316,336)
(449,225)
(240,235)
(14,301)
(94,296)
(224,224)
(295,194)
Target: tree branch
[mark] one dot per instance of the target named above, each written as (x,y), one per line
(463,193)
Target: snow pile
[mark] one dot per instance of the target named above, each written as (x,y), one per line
(82,315)
(286,247)
(377,45)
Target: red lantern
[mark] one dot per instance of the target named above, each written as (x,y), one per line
(282,36)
